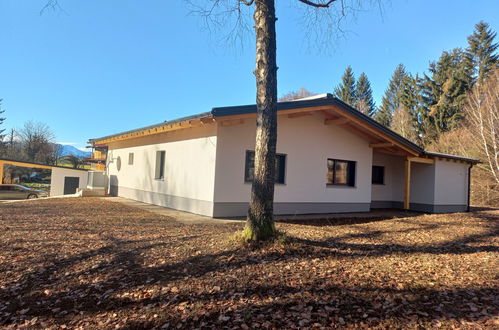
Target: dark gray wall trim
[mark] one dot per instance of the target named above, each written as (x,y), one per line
(449,208)
(386,205)
(175,202)
(225,210)
(420,207)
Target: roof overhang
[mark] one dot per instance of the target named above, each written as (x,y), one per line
(335,112)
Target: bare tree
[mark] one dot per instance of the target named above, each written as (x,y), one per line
(260,222)
(403,123)
(482,116)
(57,150)
(3,145)
(37,142)
(295,95)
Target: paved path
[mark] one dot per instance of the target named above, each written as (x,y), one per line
(180,216)
(192,218)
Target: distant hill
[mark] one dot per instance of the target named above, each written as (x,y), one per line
(70,150)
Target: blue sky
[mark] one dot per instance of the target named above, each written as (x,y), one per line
(100,67)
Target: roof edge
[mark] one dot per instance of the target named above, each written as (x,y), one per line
(167,122)
(449,156)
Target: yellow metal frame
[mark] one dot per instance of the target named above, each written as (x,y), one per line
(22,164)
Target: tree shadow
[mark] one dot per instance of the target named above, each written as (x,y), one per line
(62,291)
(348,218)
(328,305)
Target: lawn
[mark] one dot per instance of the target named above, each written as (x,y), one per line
(92,263)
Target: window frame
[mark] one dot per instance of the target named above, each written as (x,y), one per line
(279,174)
(159,171)
(382,175)
(350,164)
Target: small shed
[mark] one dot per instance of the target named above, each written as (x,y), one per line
(64,180)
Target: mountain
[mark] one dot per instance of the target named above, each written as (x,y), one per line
(70,150)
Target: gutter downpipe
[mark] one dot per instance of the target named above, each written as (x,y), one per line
(469,187)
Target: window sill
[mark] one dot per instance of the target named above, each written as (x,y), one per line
(332,185)
(275,184)
(159,179)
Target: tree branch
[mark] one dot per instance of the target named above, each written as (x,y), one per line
(317,4)
(247,2)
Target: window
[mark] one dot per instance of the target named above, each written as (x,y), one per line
(160,165)
(378,176)
(130,158)
(341,172)
(280,167)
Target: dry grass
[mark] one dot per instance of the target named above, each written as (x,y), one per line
(92,263)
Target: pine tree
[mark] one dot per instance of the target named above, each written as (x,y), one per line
(391,100)
(444,92)
(364,97)
(406,118)
(482,51)
(346,90)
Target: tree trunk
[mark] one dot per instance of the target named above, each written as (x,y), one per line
(260,221)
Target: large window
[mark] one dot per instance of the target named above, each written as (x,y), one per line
(280,167)
(160,165)
(341,172)
(378,176)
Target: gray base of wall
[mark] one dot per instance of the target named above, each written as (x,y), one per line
(428,208)
(226,210)
(178,203)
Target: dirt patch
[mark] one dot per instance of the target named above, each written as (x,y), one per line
(92,263)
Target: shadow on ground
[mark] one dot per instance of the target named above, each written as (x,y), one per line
(113,274)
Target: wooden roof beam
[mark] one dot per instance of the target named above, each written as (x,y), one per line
(421,160)
(374,131)
(338,121)
(299,114)
(232,122)
(381,145)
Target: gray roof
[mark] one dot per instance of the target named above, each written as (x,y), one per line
(314,101)
(438,154)
(167,122)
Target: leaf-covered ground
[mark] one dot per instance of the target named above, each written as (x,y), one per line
(92,263)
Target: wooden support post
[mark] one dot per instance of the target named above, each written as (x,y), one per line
(1,172)
(407,187)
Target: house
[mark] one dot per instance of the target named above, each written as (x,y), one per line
(331,158)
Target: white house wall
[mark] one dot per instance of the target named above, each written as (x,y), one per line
(436,188)
(57,179)
(188,182)
(451,186)
(307,143)
(422,187)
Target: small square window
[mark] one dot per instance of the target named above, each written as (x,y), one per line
(341,172)
(130,158)
(378,175)
(280,167)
